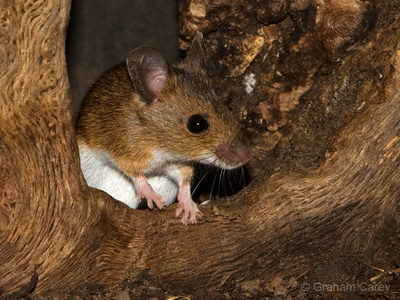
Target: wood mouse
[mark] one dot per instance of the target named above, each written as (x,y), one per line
(145,123)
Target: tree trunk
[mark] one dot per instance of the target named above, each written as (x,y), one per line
(325,100)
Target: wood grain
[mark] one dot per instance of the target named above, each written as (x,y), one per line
(333,223)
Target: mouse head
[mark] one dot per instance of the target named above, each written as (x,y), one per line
(186,118)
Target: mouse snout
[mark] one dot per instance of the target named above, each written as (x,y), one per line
(233,156)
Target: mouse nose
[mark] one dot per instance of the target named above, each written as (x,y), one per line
(235,155)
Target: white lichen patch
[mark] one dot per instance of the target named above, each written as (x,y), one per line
(249,82)
(361,106)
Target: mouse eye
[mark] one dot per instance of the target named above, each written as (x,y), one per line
(197,124)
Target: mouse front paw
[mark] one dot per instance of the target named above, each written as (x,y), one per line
(144,190)
(153,197)
(189,210)
(186,206)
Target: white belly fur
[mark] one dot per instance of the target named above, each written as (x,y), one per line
(100,172)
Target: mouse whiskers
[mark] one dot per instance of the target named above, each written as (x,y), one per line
(201,180)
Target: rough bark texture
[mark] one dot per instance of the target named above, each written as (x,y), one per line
(327,77)
(295,72)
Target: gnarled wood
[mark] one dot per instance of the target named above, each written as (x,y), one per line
(330,225)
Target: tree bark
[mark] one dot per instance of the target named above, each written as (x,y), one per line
(335,223)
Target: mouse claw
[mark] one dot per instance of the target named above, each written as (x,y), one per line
(186,206)
(144,190)
(189,213)
(157,199)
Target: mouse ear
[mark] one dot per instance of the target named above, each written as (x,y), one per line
(148,69)
(196,53)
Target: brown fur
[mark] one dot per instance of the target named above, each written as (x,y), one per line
(115,119)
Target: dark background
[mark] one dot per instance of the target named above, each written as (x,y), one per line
(101,33)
